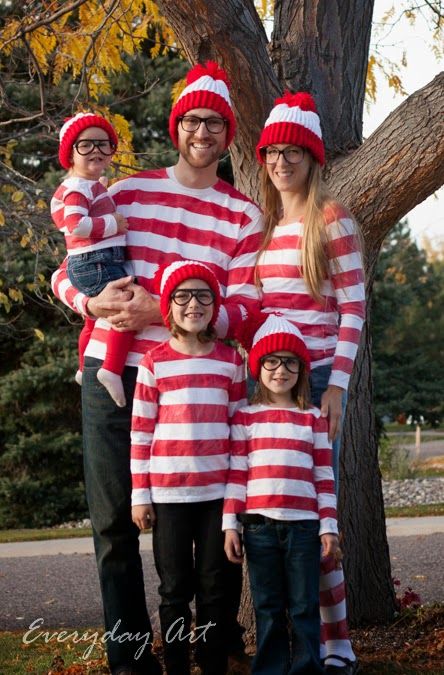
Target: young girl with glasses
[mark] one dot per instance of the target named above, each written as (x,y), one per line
(281,491)
(95,234)
(187,390)
(309,268)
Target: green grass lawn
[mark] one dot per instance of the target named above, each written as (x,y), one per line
(10,536)
(52,652)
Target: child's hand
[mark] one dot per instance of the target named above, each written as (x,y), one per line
(143,516)
(122,223)
(233,546)
(330,547)
(104,181)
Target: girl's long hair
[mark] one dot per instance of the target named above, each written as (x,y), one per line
(314,255)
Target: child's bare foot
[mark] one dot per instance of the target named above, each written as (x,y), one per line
(113,384)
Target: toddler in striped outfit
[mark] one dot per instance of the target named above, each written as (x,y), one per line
(95,233)
(281,492)
(187,390)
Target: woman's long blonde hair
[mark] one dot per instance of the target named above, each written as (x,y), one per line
(314,256)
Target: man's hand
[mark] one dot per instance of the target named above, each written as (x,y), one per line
(136,314)
(116,293)
(233,546)
(331,407)
(143,516)
(122,223)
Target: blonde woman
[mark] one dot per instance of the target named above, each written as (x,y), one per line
(309,268)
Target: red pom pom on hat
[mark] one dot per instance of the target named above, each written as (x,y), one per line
(73,126)
(168,277)
(302,99)
(210,68)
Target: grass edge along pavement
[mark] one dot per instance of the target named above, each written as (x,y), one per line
(412,643)
(11,536)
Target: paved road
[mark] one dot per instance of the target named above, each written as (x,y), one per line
(39,582)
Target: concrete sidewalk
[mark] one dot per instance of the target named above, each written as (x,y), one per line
(396,527)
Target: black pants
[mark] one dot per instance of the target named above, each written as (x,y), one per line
(189,558)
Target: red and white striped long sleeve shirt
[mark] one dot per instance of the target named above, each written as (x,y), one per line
(333,327)
(280,467)
(167,221)
(84,211)
(180,424)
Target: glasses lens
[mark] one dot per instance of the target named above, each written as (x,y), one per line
(271,362)
(215,125)
(190,123)
(293,155)
(205,297)
(270,155)
(105,147)
(84,147)
(291,365)
(182,297)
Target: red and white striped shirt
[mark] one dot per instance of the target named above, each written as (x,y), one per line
(168,221)
(280,467)
(84,211)
(180,425)
(333,327)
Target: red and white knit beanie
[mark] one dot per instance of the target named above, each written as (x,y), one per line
(168,277)
(74,126)
(294,120)
(207,87)
(276,334)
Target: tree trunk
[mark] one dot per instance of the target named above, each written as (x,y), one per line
(370,593)
(322,46)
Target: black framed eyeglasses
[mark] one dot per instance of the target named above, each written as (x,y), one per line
(273,362)
(86,146)
(292,154)
(184,295)
(190,123)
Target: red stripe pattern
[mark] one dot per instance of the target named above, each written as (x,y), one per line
(217,226)
(280,467)
(180,425)
(331,328)
(83,210)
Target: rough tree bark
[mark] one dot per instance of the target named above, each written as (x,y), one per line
(322,47)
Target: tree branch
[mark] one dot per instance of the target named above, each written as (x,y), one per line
(398,166)
(44,22)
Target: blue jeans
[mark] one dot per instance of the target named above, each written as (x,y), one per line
(283,565)
(106,444)
(188,546)
(318,384)
(90,272)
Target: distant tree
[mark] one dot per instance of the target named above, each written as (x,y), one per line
(407,329)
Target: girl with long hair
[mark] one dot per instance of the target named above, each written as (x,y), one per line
(309,269)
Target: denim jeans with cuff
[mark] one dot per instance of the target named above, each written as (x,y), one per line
(90,272)
(283,566)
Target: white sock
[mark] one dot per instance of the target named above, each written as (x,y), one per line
(113,384)
(78,377)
